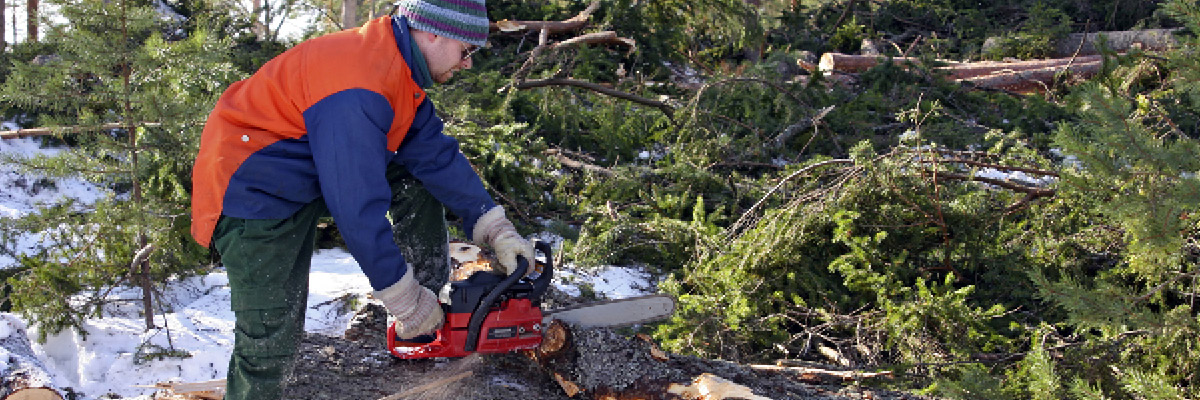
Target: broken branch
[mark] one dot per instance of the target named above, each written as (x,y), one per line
(554,27)
(606,37)
(59,130)
(666,108)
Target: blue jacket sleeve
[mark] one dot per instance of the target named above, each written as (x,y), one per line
(436,161)
(347,134)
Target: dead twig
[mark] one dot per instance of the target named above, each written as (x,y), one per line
(666,108)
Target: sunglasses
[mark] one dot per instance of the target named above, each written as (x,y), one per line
(471,49)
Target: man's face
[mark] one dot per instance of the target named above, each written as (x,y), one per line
(445,56)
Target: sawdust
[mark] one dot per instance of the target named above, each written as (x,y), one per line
(343,369)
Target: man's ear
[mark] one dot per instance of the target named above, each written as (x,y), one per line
(423,36)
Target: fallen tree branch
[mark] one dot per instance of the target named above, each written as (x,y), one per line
(606,37)
(817,375)
(554,27)
(802,171)
(60,130)
(576,164)
(666,108)
(1016,187)
(998,167)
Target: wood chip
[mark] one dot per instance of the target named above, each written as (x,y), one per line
(711,387)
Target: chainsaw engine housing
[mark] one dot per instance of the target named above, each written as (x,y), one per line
(486,313)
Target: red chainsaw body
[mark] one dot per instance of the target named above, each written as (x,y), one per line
(516,324)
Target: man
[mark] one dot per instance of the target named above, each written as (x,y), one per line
(339,125)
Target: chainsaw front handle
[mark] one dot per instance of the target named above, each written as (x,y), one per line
(540,285)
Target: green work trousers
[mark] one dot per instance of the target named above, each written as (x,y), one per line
(268,262)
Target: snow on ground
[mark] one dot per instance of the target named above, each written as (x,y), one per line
(21,193)
(119,356)
(201,326)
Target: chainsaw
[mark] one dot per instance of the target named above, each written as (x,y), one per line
(490,313)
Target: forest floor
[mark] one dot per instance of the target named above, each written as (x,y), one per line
(358,366)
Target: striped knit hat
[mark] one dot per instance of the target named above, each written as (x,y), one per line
(464,20)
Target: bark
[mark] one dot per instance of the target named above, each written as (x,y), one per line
(599,364)
(553,27)
(349,14)
(3,38)
(1033,80)
(1085,44)
(31,21)
(606,37)
(850,63)
(22,374)
(974,70)
(1019,76)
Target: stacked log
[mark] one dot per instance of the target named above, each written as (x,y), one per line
(1086,44)
(1017,76)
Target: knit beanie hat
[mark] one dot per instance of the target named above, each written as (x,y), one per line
(464,20)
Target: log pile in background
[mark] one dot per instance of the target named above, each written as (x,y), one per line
(1087,44)
(1017,76)
(1077,55)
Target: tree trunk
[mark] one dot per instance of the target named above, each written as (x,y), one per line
(257,25)
(3,38)
(974,70)
(600,364)
(1120,41)
(22,374)
(854,64)
(1086,44)
(31,19)
(1033,80)
(349,14)
(1019,76)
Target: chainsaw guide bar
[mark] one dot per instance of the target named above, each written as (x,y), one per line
(614,313)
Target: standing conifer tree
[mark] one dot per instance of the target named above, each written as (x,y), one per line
(127,89)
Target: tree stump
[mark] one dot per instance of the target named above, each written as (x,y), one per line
(601,364)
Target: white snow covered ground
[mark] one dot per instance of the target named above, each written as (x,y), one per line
(111,358)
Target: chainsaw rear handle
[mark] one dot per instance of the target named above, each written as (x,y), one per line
(540,285)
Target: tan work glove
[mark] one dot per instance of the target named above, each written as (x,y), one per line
(496,230)
(415,307)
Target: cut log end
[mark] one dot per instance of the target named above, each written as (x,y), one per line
(34,394)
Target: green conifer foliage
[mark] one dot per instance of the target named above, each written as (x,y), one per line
(128,89)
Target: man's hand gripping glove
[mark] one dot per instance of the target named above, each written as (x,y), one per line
(496,230)
(415,307)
